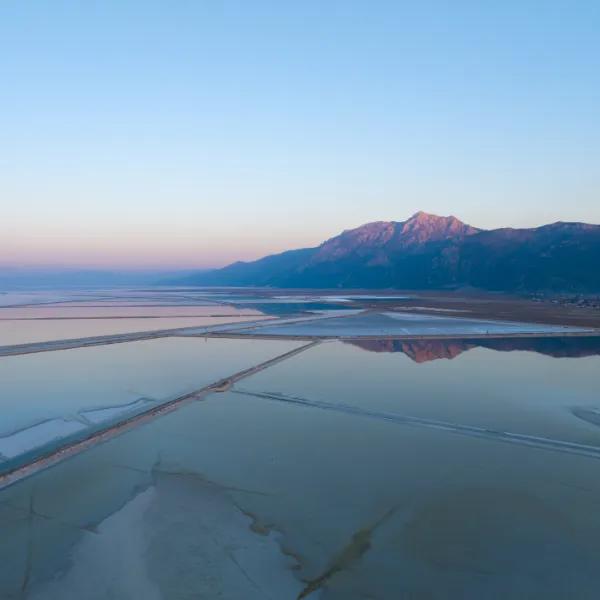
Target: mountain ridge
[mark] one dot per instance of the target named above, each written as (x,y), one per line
(431,252)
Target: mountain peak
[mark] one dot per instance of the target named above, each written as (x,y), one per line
(424,227)
(421,215)
(424,217)
(383,237)
(429,251)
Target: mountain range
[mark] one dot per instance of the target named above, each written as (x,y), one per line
(431,252)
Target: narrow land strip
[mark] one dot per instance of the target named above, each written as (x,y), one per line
(538,442)
(57,455)
(120,338)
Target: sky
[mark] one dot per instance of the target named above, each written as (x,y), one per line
(195,133)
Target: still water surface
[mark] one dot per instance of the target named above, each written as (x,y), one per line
(244,496)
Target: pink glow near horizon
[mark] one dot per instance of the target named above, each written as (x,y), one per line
(188,135)
(137,252)
(174,247)
(127,257)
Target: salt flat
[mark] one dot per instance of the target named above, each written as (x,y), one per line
(389,323)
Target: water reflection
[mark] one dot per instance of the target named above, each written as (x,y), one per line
(422,351)
(257,493)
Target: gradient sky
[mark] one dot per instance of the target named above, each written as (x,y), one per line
(195,133)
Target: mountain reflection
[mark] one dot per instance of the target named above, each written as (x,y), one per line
(422,351)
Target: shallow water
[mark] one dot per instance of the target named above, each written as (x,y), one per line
(90,310)
(14,332)
(398,324)
(47,396)
(521,392)
(244,496)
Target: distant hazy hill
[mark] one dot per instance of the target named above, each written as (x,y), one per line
(428,251)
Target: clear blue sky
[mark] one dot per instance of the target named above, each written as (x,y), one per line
(194,133)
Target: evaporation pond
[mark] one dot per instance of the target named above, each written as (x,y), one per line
(23,331)
(62,384)
(524,392)
(246,498)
